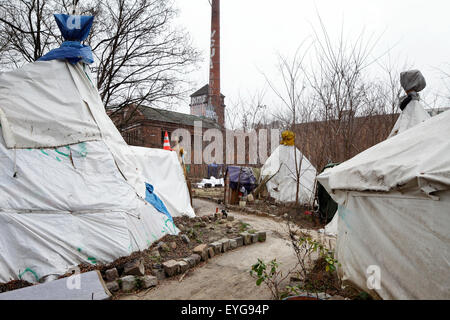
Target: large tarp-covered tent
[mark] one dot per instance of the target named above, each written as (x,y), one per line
(163,171)
(282,166)
(70,189)
(394,201)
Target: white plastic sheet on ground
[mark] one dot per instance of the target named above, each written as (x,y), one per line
(283,186)
(213,181)
(162,169)
(394,215)
(77,203)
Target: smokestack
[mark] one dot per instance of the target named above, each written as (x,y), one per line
(215,100)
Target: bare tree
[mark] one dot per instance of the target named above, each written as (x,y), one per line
(141,59)
(248,113)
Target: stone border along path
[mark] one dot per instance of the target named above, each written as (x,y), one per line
(326,240)
(136,280)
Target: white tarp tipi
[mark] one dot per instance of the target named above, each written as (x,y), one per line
(282,166)
(394,214)
(162,169)
(70,189)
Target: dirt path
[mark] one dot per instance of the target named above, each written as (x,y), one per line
(227,276)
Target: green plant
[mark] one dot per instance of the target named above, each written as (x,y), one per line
(156,259)
(243,226)
(270,275)
(304,247)
(138,283)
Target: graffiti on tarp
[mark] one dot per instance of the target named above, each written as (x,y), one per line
(79,149)
(29,270)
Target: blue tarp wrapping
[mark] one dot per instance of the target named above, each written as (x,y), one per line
(155,201)
(243,176)
(74,30)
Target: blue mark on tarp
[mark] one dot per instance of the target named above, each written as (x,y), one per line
(343,211)
(156,202)
(74,29)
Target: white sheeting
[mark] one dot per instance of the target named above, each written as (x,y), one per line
(283,185)
(412,115)
(394,202)
(162,169)
(72,204)
(407,238)
(41,107)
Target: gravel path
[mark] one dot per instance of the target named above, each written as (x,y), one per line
(227,276)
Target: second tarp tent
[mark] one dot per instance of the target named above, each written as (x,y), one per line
(281,168)
(394,218)
(163,171)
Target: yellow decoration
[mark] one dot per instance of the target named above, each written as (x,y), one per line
(287,138)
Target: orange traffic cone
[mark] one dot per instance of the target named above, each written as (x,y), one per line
(166,145)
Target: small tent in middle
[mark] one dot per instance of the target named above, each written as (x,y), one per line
(281,171)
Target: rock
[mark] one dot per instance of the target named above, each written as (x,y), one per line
(254,238)
(149,281)
(286,215)
(184,266)
(111,274)
(134,268)
(203,224)
(128,283)
(230,218)
(185,239)
(171,267)
(205,218)
(233,244)
(217,247)
(212,228)
(229,225)
(247,238)
(162,246)
(155,253)
(190,261)
(197,258)
(261,236)
(211,252)
(225,244)
(229,231)
(112,286)
(202,251)
(222,221)
(159,274)
(181,227)
(173,245)
(239,241)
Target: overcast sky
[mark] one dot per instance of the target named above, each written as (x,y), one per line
(254,31)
